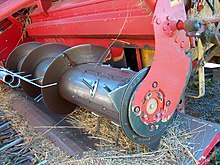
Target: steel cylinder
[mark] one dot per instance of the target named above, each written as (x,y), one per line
(78,83)
(6,77)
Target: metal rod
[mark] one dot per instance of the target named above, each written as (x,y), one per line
(28,75)
(98,125)
(18,140)
(29,81)
(6,77)
(4,125)
(138,148)
(39,99)
(38,78)
(40,95)
(116,135)
(87,84)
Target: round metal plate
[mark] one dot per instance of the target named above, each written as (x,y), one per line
(17,56)
(87,53)
(18,53)
(39,54)
(76,55)
(127,120)
(51,96)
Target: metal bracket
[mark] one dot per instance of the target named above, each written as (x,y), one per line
(201,71)
(93,87)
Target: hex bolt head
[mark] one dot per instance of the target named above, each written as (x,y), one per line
(154,85)
(152,127)
(137,109)
(158,21)
(145,117)
(168,103)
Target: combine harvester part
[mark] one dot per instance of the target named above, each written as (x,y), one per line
(14,145)
(66,65)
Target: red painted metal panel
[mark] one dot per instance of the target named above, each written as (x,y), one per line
(9,39)
(94,21)
(69,8)
(9,7)
(171,66)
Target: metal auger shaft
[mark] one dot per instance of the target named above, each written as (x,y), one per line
(73,87)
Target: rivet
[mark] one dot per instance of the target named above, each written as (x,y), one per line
(137,109)
(152,127)
(168,103)
(165,28)
(158,21)
(145,117)
(154,85)
(182,44)
(168,18)
(171,33)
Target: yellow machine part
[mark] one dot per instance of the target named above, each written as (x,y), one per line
(147,56)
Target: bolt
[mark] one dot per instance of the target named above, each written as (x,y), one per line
(148,96)
(168,18)
(152,127)
(170,33)
(145,117)
(137,109)
(164,112)
(158,21)
(168,103)
(176,40)
(165,28)
(160,96)
(182,44)
(152,106)
(147,138)
(158,114)
(154,85)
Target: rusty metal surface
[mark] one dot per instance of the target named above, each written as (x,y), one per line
(68,139)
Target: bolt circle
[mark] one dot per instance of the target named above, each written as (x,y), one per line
(168,103)
(154,85)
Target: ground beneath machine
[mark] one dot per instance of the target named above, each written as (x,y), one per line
(12,146)
(51,125)
(207,107)
(172,148)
